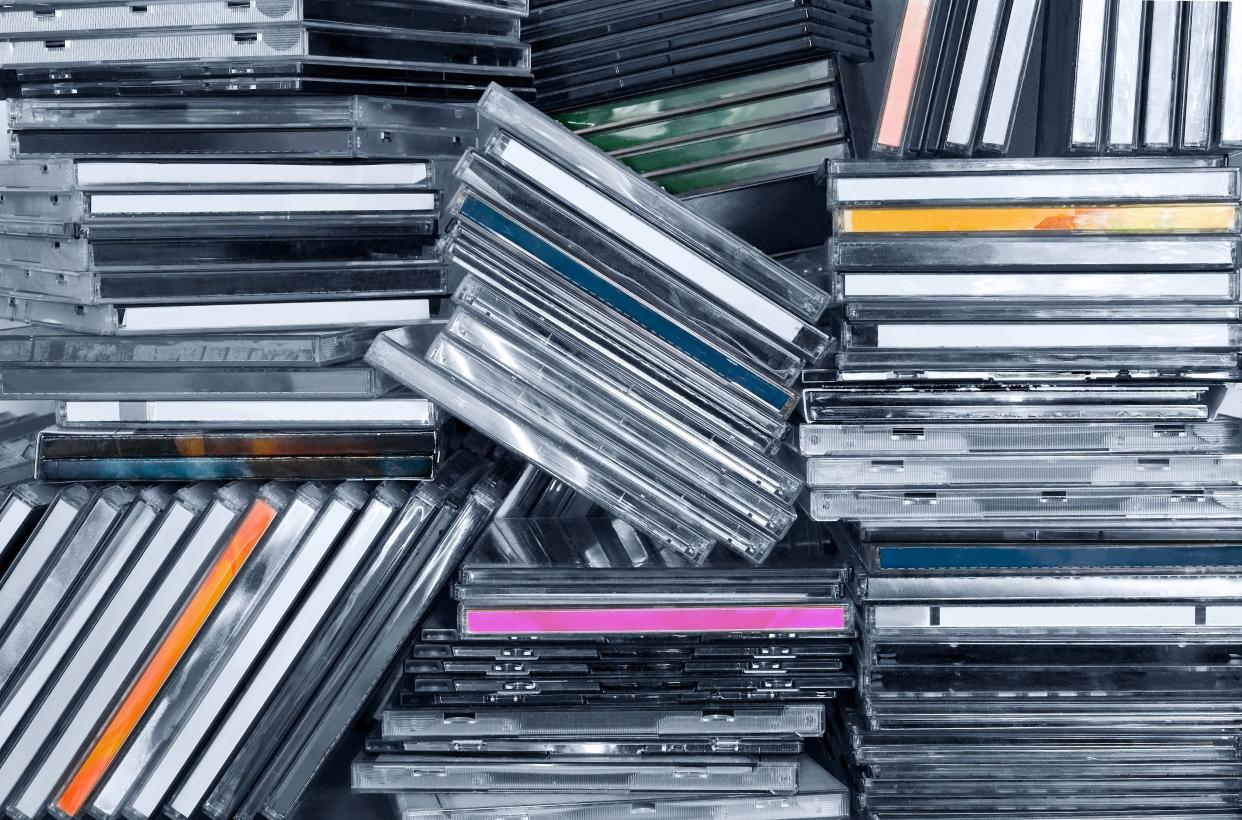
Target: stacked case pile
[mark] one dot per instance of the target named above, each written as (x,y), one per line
(438,49)
(957,78)
(585,53)
(642,81)
(204,272)
(1023,428)
(745,152)
(19,436)
(1154,77)
(206,645)
(589,673)
(636,352)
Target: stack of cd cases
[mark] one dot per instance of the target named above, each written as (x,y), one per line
(1045,266)
(587,52)
(1061,670)
(746,152)
(439,49)
(638,353)
(957,78)
(1155,77)
(205,273)
(206,646)
(588,672)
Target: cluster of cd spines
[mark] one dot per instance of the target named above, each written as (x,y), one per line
(635,351)
(605,674)
(956,78)
(148,635)
(1153,78)
(202,268)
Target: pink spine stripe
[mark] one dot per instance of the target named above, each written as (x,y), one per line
(904,73)
(654,620)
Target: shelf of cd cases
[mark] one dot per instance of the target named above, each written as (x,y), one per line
(401,355)
(352,554)
(44,755)
(261,569)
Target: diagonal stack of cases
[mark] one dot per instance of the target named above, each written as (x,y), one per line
(232,256)
(1153,77)
(1065,670)
(440,49)
(573,681)
(636,352)
(745,152)
(585,53)
(210,644)
(958,78)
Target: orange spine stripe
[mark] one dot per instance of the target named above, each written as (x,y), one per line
(165,660)
(1121,218)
